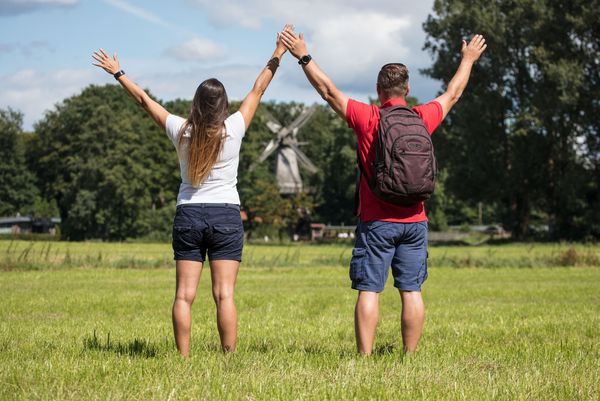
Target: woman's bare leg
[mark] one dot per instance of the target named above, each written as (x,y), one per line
(188,276)
(224,274)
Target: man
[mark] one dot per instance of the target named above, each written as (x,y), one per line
(387,234)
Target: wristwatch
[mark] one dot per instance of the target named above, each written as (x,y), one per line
(304,59)
(118,74)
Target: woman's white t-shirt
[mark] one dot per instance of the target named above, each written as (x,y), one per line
(220,185)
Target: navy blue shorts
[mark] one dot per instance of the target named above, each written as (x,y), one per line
(215,228)
(379,245)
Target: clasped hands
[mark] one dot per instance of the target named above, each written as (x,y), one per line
(289,40)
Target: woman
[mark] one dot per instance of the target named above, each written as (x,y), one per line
(208,212)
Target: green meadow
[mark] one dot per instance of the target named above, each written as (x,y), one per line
(91,321)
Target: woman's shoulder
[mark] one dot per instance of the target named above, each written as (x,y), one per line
(235,126)
(173,125)
(175,120)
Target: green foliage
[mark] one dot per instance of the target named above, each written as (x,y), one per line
(17,183)
(156,223)
(535,94)
(438,204)
(105,163)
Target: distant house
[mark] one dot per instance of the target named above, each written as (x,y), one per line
(28,225)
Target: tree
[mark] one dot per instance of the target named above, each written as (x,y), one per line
(533,93)
(104,162)
(17,183)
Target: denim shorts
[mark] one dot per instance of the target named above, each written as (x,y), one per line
(215,228)
(379,245)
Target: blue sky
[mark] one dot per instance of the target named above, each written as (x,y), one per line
(171,46)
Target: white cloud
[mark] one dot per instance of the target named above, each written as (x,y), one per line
(15,7)
(138,12)
(33,92)
(197,49)
(352,57)
(350,39)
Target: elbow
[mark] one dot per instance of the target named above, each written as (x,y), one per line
(326,93)
(142,100)
(454,97)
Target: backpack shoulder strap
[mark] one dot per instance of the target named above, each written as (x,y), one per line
(359,172)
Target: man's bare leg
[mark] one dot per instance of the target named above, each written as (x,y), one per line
(413,317)
(366,317)
(188,276)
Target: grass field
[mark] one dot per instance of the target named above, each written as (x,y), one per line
(510,322)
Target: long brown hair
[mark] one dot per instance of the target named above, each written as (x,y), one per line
(205,128)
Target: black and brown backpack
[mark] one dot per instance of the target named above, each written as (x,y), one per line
(404,169)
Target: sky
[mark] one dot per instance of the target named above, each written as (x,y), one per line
(169,47)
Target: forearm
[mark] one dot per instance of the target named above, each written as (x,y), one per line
(158,113)
(459,81)
(111,66)
(267,74)
(137,93)
(326,88)
(320,81)
(470,54)
(252,100)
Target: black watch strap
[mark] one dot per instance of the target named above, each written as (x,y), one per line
(304,59)
(118,74)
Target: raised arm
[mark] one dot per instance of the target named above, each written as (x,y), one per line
(470,54)
(318,79)
(252,99)
(111,65)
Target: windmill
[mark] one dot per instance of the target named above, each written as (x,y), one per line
(289,155)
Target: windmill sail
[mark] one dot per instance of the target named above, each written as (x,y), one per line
(289,154)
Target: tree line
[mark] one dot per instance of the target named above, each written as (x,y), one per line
(522,145)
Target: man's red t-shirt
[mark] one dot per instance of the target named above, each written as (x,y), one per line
(364,119)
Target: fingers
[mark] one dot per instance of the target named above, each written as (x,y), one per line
(101,57)
(97,58)
(289,43)
(301,36)
(289,34)
(477,41)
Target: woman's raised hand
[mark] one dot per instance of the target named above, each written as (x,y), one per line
(279,46)
(110,65)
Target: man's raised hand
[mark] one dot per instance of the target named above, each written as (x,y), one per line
(295,44)
(473,50)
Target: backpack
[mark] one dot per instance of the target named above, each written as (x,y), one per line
(404,169)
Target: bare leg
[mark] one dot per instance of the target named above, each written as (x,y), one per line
(224,274)
(188,276)
(413,317)
(366,316)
